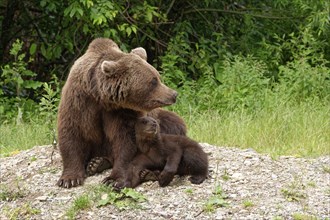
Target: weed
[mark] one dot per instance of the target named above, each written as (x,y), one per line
(13,193)
(311,184)
(189,191)
(301,216)
(81,203)
(33,158)
(225,176)
(217,200)
(293,195)
(327,191)
(326,168)
(248,203)
(102,196)
(125,199)
(10,195)
(294,192)
(25,211)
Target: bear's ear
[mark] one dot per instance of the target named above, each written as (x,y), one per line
(141,52)
(108,66)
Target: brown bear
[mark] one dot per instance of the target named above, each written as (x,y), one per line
(161,156)
(106,91)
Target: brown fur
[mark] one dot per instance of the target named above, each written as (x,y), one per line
(106,91)
(173,154)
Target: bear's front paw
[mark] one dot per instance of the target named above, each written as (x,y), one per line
(165,178)
(108,180)
(119,185)
(68,182)
(97,165)
(197,179)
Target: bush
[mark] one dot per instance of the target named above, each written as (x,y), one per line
(17,85)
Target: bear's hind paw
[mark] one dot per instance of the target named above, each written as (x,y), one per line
(148,175)
(97,165)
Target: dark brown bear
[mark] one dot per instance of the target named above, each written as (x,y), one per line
(172,154)
(106,91)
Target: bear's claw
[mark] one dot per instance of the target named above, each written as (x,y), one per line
(68,183)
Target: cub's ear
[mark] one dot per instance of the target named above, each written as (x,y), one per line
(141,52)
(108,67)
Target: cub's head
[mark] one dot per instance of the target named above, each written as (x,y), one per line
(131,82)
(147,127)
(147,133)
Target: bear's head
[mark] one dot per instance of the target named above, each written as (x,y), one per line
(131,82)
(147,130)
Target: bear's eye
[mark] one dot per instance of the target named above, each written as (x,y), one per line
(154,81)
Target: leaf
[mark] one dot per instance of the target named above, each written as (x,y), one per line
(30,84)
(217,201)
(80,11)
(134,194)
(43,50)
(43,3)
(128,31)
(149,16)
(102,202)
(33,48)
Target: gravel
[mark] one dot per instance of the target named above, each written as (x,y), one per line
(242,185)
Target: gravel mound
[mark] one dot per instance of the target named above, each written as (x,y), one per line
(242,185)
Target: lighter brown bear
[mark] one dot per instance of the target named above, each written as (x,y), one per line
(106,91)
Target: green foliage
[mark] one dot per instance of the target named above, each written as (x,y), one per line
(248,203)
(7,194)
(302,216)
(81,203)
(295,191)
(217,200)
(127,198)
(279,129)
(242,84)
(48,107)
(16,83)
(102,195)
(25,211)
(15,138)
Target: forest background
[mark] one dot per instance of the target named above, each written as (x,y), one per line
(250,74)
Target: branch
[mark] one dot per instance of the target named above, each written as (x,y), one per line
(169,8)
(40,34)
(131,22)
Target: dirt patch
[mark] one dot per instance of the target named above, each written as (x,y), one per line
(242,185)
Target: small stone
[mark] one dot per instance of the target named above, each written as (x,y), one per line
(104,196)
(238,176)
(42,198)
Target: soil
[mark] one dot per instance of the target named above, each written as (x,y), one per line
(243,184)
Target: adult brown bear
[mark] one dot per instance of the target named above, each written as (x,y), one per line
(106,91)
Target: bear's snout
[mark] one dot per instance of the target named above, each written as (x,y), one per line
(173,98)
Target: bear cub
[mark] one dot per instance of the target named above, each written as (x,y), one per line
(161,156)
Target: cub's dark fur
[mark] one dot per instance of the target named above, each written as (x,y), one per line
(165,154)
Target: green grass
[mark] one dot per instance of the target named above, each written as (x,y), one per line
(301,131)
(24,136)
(81,203)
